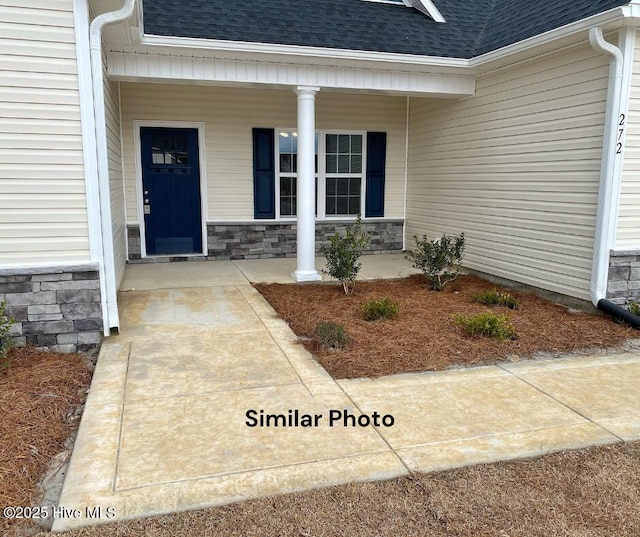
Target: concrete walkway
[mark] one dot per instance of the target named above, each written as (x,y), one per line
(165,425)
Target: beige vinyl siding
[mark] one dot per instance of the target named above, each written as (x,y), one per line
(628,236)
(516,168)
(229,114)
(114,154)
(43,214)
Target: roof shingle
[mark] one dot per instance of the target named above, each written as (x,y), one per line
(473,27)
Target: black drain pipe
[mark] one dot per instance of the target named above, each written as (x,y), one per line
(619,312)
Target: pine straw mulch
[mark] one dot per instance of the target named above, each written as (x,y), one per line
(39,394)
(587,493)
(423,337)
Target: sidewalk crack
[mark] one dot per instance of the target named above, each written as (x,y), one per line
(121,427)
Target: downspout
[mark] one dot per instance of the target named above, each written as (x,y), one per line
(609,179)
(95,45)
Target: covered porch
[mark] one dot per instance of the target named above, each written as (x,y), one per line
(222,154)
(148,276)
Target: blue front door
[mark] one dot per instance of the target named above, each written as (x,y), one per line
(171,191)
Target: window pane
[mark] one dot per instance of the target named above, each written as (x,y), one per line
(331,205)
(169,150)
(285,142)
(343,163)
(354,205)
(354,187)
(356,163)
(285,163)
(295,163)
(356,144)
(332,143)
(343,143)
(343,187)
(294,206)
(342,205)
(285,186)
(332,164)
(285,207)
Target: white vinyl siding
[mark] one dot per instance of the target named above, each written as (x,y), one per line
(229,114)
(517,169)
(116,185)
(628,236)
(43,210)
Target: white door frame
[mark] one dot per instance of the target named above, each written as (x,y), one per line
(137,147)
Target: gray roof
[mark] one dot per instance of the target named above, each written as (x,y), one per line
(473,27)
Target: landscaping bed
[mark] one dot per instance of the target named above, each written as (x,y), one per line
(40,396)
(424,335)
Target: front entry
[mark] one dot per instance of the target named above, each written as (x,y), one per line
(171,191)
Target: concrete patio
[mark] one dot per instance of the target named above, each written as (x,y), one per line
(165,425)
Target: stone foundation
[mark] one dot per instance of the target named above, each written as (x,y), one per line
(54,307)
(624,277)
(253,240)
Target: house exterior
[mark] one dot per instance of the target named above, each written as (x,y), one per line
(137,131)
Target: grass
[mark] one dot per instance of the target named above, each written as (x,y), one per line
(331,335)
(587,493)
(487,324)
(494,297)
(376,309)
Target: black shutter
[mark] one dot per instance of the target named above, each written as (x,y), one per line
(376,162)
(264,178)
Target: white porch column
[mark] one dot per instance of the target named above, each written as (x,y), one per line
(306,239)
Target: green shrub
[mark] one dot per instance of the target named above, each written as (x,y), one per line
(496,298)
(343,253)
(487,325)
(379,308)
(634,308)
(331,335)
(439,259)
(6,341)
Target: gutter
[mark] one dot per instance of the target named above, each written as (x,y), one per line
(97,80)
(610,177)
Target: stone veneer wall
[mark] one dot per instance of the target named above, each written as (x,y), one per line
(54,307)
(624,277)
(253,240)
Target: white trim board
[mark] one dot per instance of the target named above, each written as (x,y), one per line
(137,148)
(166,68)
(89,149)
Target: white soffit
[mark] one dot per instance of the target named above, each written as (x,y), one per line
(197,70)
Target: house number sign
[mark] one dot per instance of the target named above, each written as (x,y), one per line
(621,127)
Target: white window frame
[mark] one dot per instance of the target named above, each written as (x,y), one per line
(321,176)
